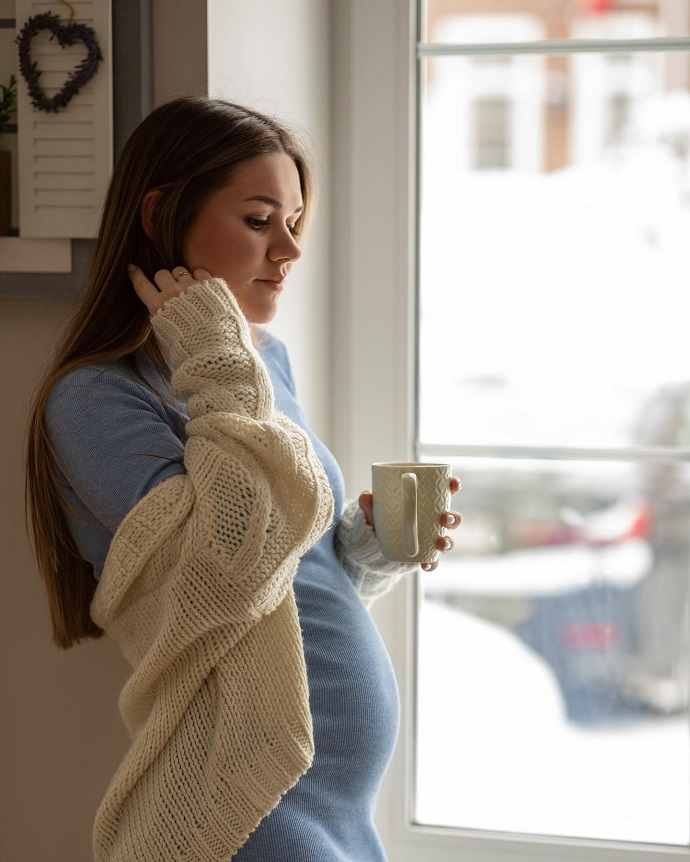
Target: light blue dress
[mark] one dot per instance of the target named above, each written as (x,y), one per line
(113,442)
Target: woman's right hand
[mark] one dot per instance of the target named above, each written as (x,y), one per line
(165,285)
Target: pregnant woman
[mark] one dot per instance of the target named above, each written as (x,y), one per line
(180,504)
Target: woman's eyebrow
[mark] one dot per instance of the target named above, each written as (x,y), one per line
(271,202)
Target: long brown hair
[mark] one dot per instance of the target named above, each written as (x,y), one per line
(185,150)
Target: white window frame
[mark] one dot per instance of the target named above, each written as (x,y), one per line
(373,224)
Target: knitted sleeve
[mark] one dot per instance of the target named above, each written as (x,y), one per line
(197,591)
(360,555)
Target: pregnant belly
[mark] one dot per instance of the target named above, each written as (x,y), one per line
(352,689)
(328,815)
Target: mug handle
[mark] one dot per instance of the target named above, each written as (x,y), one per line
(410,532)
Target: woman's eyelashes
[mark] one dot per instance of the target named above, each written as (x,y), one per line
(260,224)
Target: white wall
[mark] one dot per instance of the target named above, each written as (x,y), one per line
(274,56)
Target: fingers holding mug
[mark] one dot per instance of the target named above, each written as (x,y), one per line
(451,519)
(366,504)
(445,544)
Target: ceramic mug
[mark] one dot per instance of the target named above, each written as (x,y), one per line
(409,501)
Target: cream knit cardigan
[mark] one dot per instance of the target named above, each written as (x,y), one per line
(197,591)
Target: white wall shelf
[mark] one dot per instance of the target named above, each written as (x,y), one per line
(61,173)
(18,254)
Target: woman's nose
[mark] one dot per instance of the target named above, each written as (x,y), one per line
(285,249)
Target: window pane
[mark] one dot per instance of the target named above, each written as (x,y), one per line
(476,21)
(553,644)
(553,654)
(555,216)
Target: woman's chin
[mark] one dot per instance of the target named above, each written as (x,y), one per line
(260,315)
(260,320)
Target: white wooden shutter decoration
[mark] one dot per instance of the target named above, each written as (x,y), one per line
(65,158)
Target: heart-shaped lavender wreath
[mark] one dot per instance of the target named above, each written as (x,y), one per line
(66,34)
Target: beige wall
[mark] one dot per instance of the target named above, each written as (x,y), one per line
(61,735)
(179,49)
(60,732)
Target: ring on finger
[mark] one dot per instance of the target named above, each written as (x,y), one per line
(178,276)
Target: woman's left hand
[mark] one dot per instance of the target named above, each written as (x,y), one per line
(450,520)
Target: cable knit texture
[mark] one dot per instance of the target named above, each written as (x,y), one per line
(197,592)
(359,552)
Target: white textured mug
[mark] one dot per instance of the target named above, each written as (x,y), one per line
(409,502)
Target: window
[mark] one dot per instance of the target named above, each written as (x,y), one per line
(552,655)
(557,435)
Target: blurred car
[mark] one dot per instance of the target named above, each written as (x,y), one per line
(588,565)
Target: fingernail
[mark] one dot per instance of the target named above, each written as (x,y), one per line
(446,545)
(130,267)
(450,519)
(426,567)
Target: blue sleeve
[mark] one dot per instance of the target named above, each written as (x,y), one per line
(111,441)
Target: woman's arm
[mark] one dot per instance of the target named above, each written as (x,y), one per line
(253,495)
(359,552)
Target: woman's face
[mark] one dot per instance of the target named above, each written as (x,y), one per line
(245,233)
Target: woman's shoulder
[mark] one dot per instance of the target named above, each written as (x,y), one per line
(95,385)
(106,408)
(87,375)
